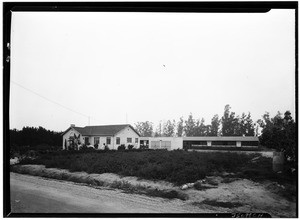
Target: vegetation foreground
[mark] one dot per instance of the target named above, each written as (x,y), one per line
(178,167)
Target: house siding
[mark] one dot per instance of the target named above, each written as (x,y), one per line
(123,135)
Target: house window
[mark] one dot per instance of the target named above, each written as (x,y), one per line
(136,140)
(117,140)
(96,140)
(108,140)
(129,140)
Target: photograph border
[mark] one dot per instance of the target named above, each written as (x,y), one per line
(169,7)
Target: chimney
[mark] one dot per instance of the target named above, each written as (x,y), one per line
(72,125)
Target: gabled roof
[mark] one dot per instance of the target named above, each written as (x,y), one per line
(101,130)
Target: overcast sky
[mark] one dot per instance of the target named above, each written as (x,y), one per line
(148,66)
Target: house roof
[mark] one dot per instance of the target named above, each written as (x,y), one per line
(101,130)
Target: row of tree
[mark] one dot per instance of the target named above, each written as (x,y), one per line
(31,136)
(228,125)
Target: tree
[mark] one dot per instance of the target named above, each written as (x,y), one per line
(180,128)
(208,130)
(243,126)
(235,125)
(215,124)
(229,122)
(200,128)
(158,132)
(145,129)
(249,127)
(189,127)
(169,128)
(240,126)
(280,134)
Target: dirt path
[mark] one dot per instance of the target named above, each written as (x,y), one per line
(31,194)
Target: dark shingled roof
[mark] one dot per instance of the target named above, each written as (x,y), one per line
(101,130)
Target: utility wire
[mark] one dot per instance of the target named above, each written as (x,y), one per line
(54,102)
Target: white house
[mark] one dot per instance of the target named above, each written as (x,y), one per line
(111,136)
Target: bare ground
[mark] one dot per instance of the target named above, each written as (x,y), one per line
(217,195)
(32,194)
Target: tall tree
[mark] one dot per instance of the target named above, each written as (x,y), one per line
(180,127)
(215,124)
(208,130)
(145,129)
(229,122)
(169,128)
(158,132)
(200,128)
(189,127)
(249,126)
(241,125)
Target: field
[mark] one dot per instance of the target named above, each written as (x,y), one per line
(178,167)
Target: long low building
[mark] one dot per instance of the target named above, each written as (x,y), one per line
(172,143)
(192,142)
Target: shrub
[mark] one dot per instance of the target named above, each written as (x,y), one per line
(130,147)
(142,147)
(83,147)
(106,148)
(121,147)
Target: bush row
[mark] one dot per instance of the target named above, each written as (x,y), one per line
(174,166)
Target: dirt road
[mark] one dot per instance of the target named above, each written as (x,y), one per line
(31,194)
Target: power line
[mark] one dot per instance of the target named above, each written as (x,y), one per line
(54,102)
